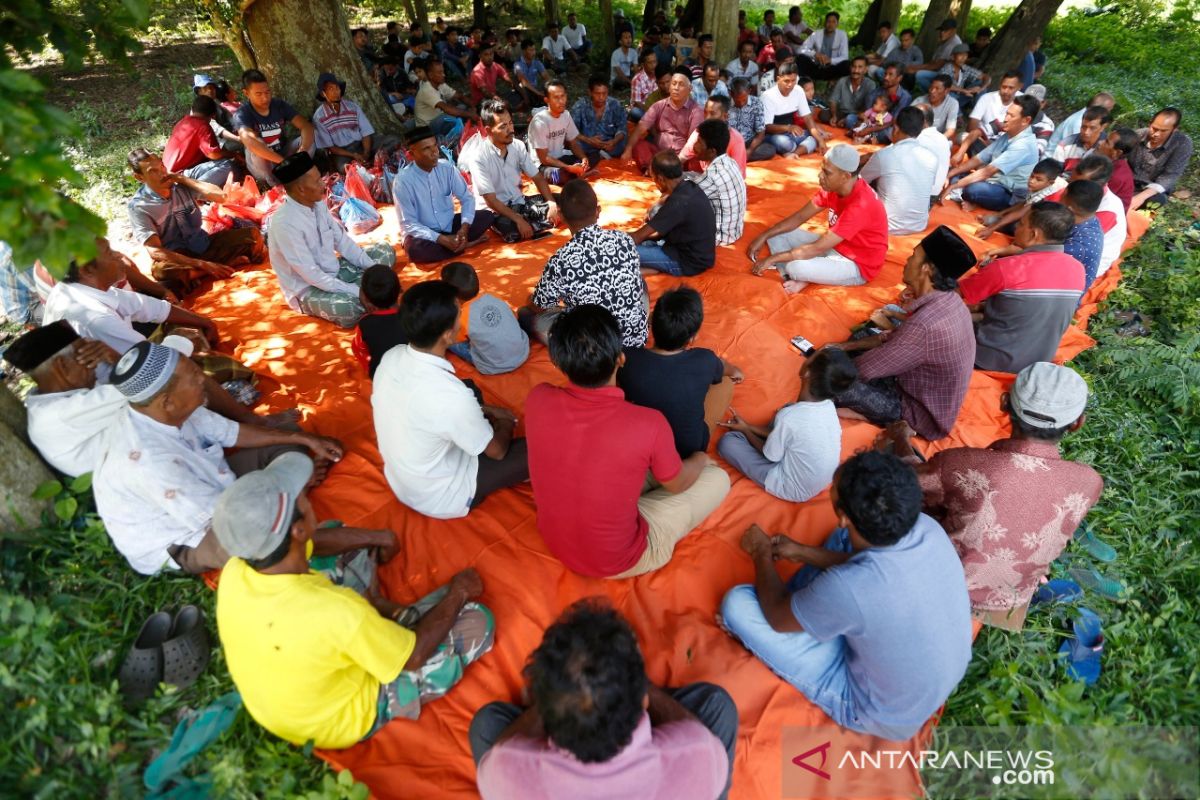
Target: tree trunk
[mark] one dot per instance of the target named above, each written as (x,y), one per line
(868,30)
(551,8)
(1012,40)
(422,9)
(479,13)
(927,39)
(961,11)
(648,13)
(297,40)
(693,13)
(233,32)
(720,19)
(411,12)
(609,40)
(21,470)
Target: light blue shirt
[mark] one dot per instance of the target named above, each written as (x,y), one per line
(1069,127)
(701,96)
(425,200)
(905,616)
(1013,159)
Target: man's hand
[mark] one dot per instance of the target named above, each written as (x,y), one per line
(466,585)
(387,548)
(552,213)
(755,246)
(524,228)
(324,448)
(735,374)
(449,242)
(627,154)
(89,353)
(498,413)
(734,423)
(209,329)
(784,548)
(755,542)
(985,232)
(880,319)
(214,269)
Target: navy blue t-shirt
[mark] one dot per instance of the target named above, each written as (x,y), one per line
(676,385)
(269,127)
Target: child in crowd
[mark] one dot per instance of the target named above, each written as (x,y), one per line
(796,456)
(495,342)
(378,331)
(691,386)
(1045,180)
(879,114)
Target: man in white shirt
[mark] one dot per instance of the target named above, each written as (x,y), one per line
(443,452)
(987,117)
(796,29)
(576,36)
(624,62)
(781,103)
(554,138)
(164,466)
(825,55)
(555,50)
(887,43)
(318,265)
(903,173)
(744,66)
(933,141)
(1111,212)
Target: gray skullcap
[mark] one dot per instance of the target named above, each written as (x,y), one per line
(253,515)
(144,370)
(1037,90)
(1048,396)
(843,156)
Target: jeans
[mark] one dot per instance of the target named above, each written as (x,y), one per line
(654,256)
(924,78)
(817,669)
(986,194)
(263,170)
(215,172)
(785,143)
(711,704)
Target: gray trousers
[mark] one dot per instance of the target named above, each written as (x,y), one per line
(747,459)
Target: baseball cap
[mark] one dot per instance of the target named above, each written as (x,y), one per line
(843,156)
(254,514)
(960,48)
(201,80)
(1037,91)
(1048,396)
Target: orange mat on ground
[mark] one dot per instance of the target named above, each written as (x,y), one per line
(748,320)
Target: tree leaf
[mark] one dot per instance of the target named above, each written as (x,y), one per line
(82,483)
(47,490)
(65,508)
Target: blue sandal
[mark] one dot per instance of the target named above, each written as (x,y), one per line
(1057,591)
(1083,650)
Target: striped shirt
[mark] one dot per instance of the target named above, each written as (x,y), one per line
(340,127)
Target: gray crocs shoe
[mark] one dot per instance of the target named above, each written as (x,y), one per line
(142,670)
(186,651)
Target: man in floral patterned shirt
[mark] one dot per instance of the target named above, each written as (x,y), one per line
(1011,508)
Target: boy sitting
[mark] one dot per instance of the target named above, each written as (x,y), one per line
(378,331)
(796,456)
(495,342)
(691,386)
(1045,180)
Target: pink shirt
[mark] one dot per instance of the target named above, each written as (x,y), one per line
(679,759)
(736,150)
(674,125)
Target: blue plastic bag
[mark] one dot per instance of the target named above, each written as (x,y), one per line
(360,217)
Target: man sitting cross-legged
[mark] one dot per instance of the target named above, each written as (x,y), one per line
(670,120)
(991,179)
(597,728)
(589,454)
(193,148)
(260,123)
(316,652)
(318,265)
(554,138)
(425,191)
(1011,508)
(1159,158)
(601,120)
(679,237)
(164,464)
(344,135)
(794,457)
(850,253)
(722,181)
(691,386)
(598,266)
(875,629)
(918,369)
(165,218)
(443,452)
(496,165)
(903,172)
(783,104)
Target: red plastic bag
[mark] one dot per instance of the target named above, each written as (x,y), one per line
(244,193)
(270,202)
(214,221)
(356,187)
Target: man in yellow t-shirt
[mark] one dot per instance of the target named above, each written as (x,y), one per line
(322,656)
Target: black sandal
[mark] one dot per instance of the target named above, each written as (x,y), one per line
(142,670)
(186,651)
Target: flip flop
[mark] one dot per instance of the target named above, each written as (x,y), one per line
(1057,591)
(1090,578)
(1083,650)
(186,651)
(164,777)
(142,670)
(1095,547)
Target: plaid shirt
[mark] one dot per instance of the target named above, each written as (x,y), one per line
(723,185)
(612,122)
(18,297)
(931,357)
(748,120)
(642,87)
(967,76)
(1162,167)
(1009,509)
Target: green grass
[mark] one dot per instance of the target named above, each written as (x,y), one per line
(69,605)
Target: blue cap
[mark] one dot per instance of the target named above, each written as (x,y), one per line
(202,80)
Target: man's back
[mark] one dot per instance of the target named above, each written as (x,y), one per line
(903,173)
(185,148)
(589,453)
(675,384)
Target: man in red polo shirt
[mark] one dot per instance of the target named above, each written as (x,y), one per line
(193,148)
(589,454)
(850,253)
(1028,299)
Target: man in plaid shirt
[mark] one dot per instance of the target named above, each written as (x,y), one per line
(918,369)
(722,181)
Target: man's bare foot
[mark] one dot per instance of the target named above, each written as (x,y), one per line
(476,242)
(281,419)
(792,287)
(320,472)
(968,206)
(792,155)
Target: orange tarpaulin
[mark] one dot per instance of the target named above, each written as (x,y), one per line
(748,320)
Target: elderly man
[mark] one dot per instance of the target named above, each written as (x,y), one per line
(902,173)
(344,134)
(554,139)
(990,179)
(722,181)
(165,218)
(260,124)
(849,96)
(443,453)
(597,266)
(945,108)
(850,253)
(601,121)
(1159,158)
(425,191)
(670,120)
(746,116)
(1027,300)
(947,40)
(578,740)
(986,121)
(1070,125)
(164,465)
(321,656)
(918,367)
(875,629)
(782,104)
(825,55)
(317,263)
(496,165)
(678,235)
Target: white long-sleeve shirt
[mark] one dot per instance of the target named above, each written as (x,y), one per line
(841,45)
(105,316)
(304,245)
